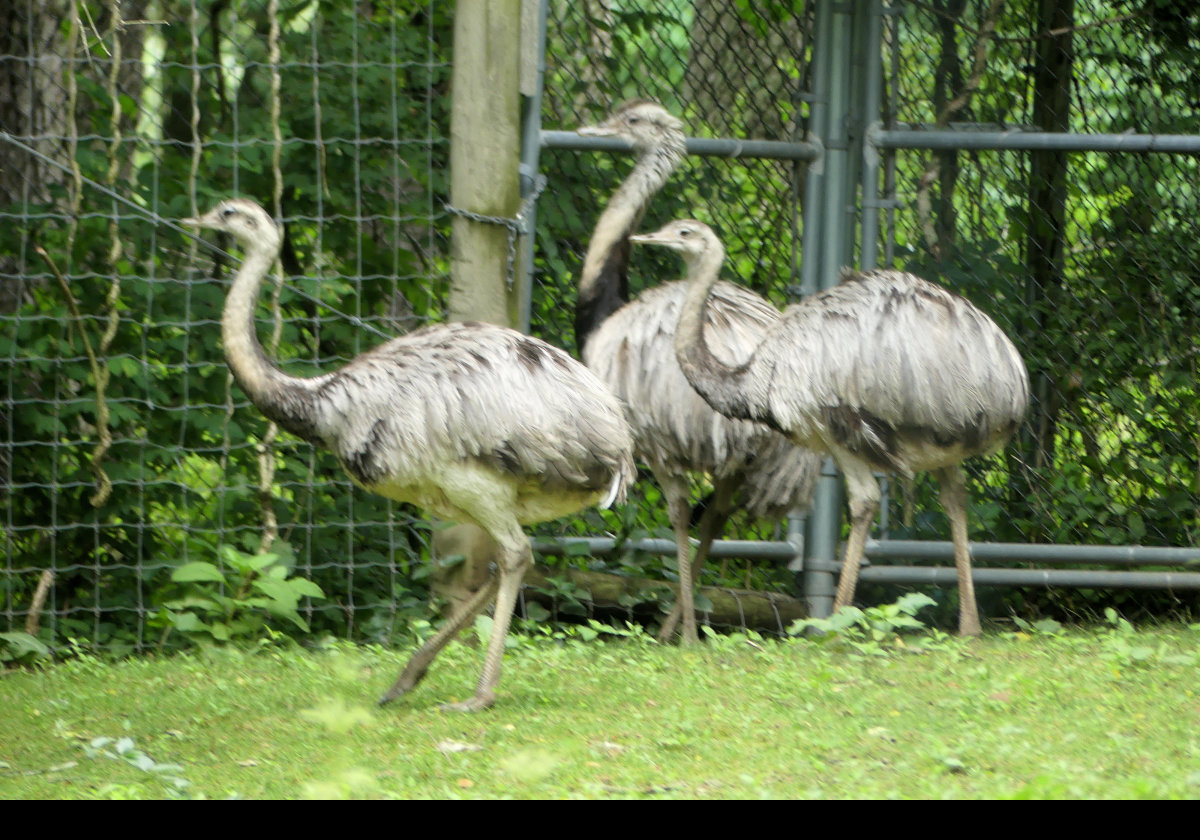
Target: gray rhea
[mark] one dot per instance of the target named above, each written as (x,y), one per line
(473,422)
(630,344)
(884,371)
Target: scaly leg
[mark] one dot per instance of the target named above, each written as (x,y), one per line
(415,670)
(712,523)
(517,558)
(679,512)
(863,491)
(954,500)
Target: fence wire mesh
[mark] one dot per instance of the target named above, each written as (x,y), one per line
(127,451)
(1087,258)
(725,74)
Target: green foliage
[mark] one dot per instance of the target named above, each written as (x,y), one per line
(21,649)
(234,600)
(569,598)
(1125,648)
(1047,626)
(1108,456)
(364,237)
(874,631)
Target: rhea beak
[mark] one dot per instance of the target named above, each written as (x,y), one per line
(648,239)
(600,130)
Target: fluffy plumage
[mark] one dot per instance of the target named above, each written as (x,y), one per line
(631,346)
(471,421)
(884,371)
(675,430)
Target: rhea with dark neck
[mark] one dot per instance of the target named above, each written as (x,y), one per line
(660,145)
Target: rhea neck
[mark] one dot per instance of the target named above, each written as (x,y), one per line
(262,381)
(722,386)
(604,281)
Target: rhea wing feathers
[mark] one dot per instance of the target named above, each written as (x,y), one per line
(634,352)
(475,392)
(884,354)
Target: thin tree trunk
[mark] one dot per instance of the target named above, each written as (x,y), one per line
(1053,68)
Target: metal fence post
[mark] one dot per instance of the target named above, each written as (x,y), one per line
(533,71)
(826,240)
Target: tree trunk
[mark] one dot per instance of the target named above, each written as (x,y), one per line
(768,611)
(947,84)
(33,108)
(1053,68)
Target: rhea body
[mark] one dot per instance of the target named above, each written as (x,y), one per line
(630,345)
(472,422)
(884,371)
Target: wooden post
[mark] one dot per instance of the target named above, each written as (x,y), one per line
(484,155)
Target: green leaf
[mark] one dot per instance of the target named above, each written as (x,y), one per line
(536,612)
(483,628)
(186,622)
(1048,625)
(14,646)
(282,610)
(261,561)
(914,601)
(277,590)
(305,588)
(193,601)
(197,571)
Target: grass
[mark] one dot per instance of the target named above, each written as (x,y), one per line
(1077,714)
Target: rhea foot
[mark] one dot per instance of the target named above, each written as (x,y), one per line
(478,703)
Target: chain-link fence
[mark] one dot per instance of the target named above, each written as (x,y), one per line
(1087,257)
(127,452)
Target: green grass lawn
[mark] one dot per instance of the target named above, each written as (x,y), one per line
(1079,714)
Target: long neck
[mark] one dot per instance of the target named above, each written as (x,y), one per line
(604,281)
(722,386)
(282,398)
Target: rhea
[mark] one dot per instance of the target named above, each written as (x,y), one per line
(884,371)
(630,345)
(473,422)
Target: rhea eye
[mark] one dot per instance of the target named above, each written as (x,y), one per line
(227,212)
(634,120)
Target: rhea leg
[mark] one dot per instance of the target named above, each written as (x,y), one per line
(478,497)
(415,670)
(712,523)
(517,557)
(679,512)
(863,492)
(954,500)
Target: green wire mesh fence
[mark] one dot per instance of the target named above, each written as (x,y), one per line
(126,451)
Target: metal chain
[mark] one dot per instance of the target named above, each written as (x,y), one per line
(516,226)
